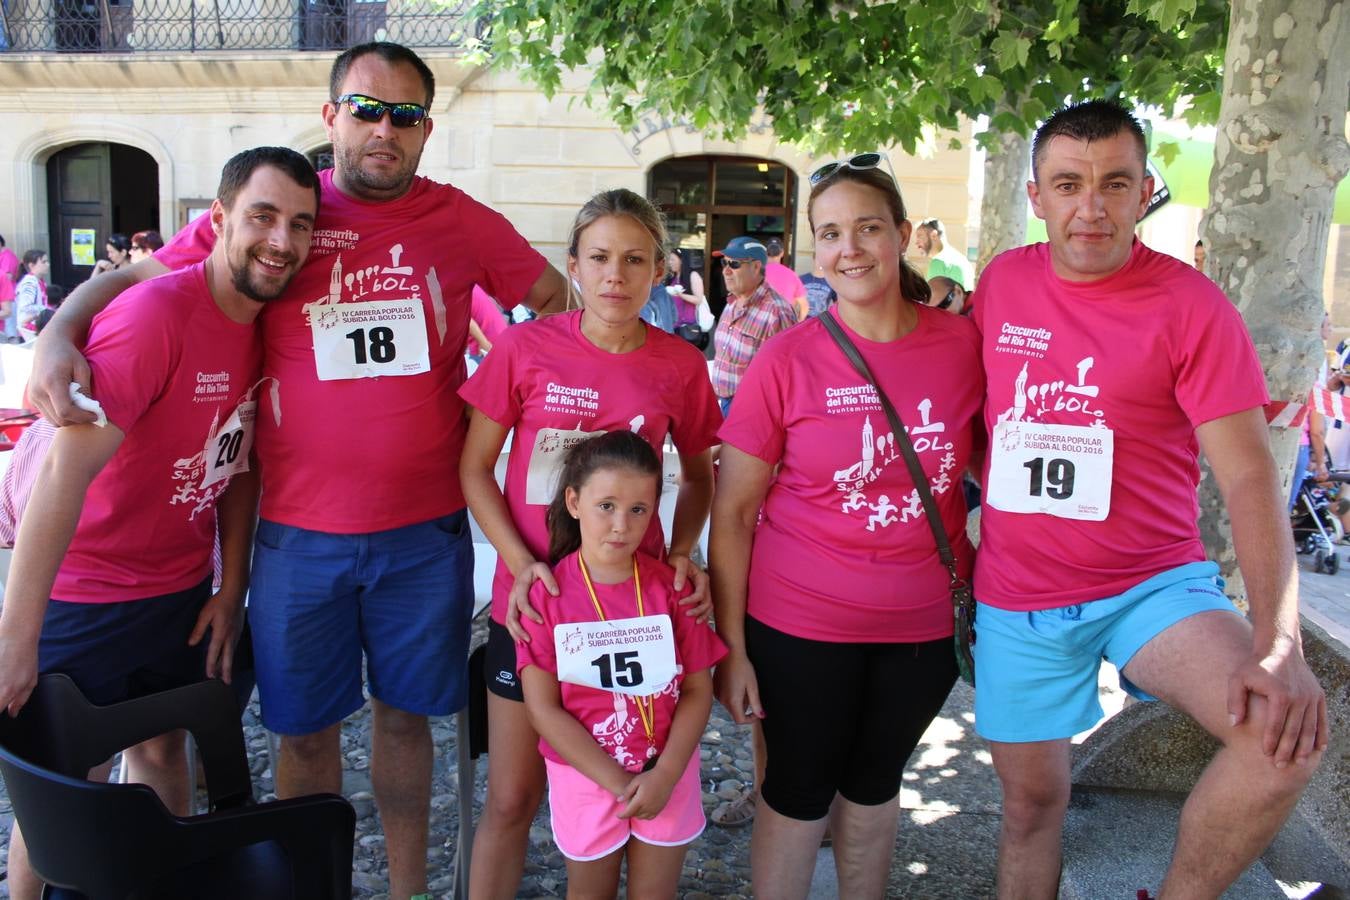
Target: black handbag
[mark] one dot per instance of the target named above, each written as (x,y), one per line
(693,333)
(963,601)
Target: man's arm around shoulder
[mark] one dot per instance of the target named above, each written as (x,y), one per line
(1238,449)
(57,360)
(548,294)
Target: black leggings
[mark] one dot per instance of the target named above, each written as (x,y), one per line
(842,717)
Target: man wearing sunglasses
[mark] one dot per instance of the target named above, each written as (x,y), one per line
(363,547)
(753,314)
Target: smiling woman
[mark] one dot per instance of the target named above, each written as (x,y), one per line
(821,554)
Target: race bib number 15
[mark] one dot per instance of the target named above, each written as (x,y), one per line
(628,656)
(1059,470)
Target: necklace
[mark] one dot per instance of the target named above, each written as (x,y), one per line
(645,706)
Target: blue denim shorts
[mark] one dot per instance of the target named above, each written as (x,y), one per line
(121,651)
(318,602)
(1036,672)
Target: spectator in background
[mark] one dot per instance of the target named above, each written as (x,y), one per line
(685,287)
(783,280)
(30,295)
(486,321)
(118,250)
(10,269)
(1200,255)
(144,244)
(943,260)
(753,314)
(947,294)
(819,294)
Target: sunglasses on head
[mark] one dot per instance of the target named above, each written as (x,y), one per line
(368,109)
(861,161)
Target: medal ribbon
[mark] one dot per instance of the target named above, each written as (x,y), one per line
(645,705)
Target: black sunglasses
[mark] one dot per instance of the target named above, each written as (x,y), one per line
(368,109)
(948,300)
(861,161)
(733,263)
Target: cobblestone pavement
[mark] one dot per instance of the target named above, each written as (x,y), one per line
(949,818)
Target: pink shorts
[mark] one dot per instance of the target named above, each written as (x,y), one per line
(586,823)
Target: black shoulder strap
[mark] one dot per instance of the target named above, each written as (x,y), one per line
(916,471)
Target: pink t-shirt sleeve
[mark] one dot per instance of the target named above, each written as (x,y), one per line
(755,423)
(132,351)
(698,646)
(191,244)
(539,651)
(1218,370)
(509,264)
(494,390)
(696,428)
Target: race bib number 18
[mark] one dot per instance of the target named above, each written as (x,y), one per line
(369,339)
(628,656)
(1059,470)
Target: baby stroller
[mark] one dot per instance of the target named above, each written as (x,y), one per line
(1317,528)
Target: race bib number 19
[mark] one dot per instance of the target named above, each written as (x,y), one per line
(1059,470)
(369,339)
(628,656)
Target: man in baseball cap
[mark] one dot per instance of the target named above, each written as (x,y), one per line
(753,314)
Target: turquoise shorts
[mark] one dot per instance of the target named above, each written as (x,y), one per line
(1036,672)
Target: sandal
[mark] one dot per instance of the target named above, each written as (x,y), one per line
(735,813)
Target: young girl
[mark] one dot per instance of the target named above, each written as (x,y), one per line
(617,682)
(549,384)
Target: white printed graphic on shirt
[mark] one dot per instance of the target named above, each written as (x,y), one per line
(1052,468)
(877,453)
(372,322)
(550,444)
(612,732)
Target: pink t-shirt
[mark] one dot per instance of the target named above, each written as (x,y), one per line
(1149,352)
(843,551)
(169,368)
(785,283)
(417,257)
(612,717)
(488,316)
(550,384)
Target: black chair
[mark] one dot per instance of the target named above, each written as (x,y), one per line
(118,841)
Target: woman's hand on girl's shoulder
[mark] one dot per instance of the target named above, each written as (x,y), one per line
(699,602)
(518,601)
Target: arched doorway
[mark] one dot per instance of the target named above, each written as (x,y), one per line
(93,191)
(708,200)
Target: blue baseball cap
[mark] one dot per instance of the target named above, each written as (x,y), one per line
(745,247)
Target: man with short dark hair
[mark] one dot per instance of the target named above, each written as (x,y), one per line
(111,579)
(753,314)
(363,549)
(1090,547)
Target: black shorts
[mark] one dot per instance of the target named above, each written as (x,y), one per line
(842,717)
(499,664)
(121,651)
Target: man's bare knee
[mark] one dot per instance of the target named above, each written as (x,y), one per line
(399,725)
(166,751)
(312,747)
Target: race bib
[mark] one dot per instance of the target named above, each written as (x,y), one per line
(226,452)
(546,458)
(1059,470)
(369,339)
(628,656)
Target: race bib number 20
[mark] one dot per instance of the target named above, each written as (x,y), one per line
(1059,470)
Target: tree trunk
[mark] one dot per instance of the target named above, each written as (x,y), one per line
(1278,156)
(1003,208)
